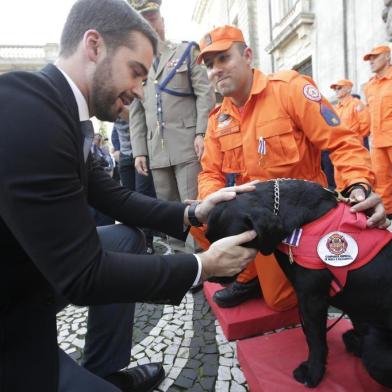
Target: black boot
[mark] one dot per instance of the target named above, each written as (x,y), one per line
(237,293)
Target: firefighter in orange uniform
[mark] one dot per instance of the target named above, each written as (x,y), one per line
(268,127)
(353,114)
(378,93)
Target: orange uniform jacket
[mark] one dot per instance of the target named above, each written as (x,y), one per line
(280,132)
(354,115)
(378,92)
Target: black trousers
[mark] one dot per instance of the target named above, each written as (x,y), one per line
(108,340)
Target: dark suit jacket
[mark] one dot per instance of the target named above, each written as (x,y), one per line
(48,240)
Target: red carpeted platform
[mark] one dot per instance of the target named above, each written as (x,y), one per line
(268,362)
(251,318)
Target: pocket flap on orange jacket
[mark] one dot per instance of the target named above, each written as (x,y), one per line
(231,141)
(274,128)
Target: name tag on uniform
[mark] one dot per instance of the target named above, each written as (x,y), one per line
(227,131)
(262,148)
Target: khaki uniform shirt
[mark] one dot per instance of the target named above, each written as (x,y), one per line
(183,117)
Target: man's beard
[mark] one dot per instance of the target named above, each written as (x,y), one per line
(103,96)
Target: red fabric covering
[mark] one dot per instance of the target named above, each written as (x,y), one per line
(369,241)
(250,318)
(268,362)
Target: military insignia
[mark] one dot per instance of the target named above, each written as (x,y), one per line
(337,249)
(173,63)
(328,114)
(222,117)
(145,5)
(224,120)
(225,123)
(312,93)
(294,238)
(262,148)
(208,39)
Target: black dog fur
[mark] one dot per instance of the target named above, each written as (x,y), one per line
(366,298)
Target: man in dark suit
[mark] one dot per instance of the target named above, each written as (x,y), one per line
(53,249)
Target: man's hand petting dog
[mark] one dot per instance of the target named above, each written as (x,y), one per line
(226,257)
(204,208)
(371,205)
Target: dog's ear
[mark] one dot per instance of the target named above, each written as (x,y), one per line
(269,229)
(212,233)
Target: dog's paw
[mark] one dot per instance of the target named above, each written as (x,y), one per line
(308,375)
(353,342)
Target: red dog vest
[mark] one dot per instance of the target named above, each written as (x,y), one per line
(339,241)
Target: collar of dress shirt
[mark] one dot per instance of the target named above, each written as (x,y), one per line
(80,100)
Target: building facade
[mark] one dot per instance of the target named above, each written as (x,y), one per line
(26,57)
(324,39)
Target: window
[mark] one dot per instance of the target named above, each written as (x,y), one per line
(286,6)
(305,67)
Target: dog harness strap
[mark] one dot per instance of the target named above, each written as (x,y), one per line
(348,225)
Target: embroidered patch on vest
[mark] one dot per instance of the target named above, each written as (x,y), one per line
(312,93)
(337,249)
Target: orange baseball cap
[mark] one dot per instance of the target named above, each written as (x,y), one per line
(219,40)
(342,83)
(377,50)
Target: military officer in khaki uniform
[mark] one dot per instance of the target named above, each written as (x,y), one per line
(168,125)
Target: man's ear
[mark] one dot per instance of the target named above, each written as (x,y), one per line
(93,44)
(248,54)
(269,229)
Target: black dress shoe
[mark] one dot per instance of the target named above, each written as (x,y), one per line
(142,378)
(237,293)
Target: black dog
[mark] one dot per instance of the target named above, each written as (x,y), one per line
(274,210)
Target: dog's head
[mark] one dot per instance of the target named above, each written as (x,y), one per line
(243,213)
(299,202)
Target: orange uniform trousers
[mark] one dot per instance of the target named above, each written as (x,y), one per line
(382,166)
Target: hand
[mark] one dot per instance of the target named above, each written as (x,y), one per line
(141,165)
(373,205)
(204,208)
(226,257)
(199,146)
(116,155)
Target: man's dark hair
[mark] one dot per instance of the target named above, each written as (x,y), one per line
(113,19)
(356,96)
(241,46)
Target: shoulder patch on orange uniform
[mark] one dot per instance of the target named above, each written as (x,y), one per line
(312,93)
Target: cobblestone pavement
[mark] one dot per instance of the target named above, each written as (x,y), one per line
(186,338)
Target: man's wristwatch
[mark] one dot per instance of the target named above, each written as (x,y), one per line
(192,216)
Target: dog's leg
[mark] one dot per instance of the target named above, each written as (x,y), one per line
(377,354)
(353,338)
(312,290)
